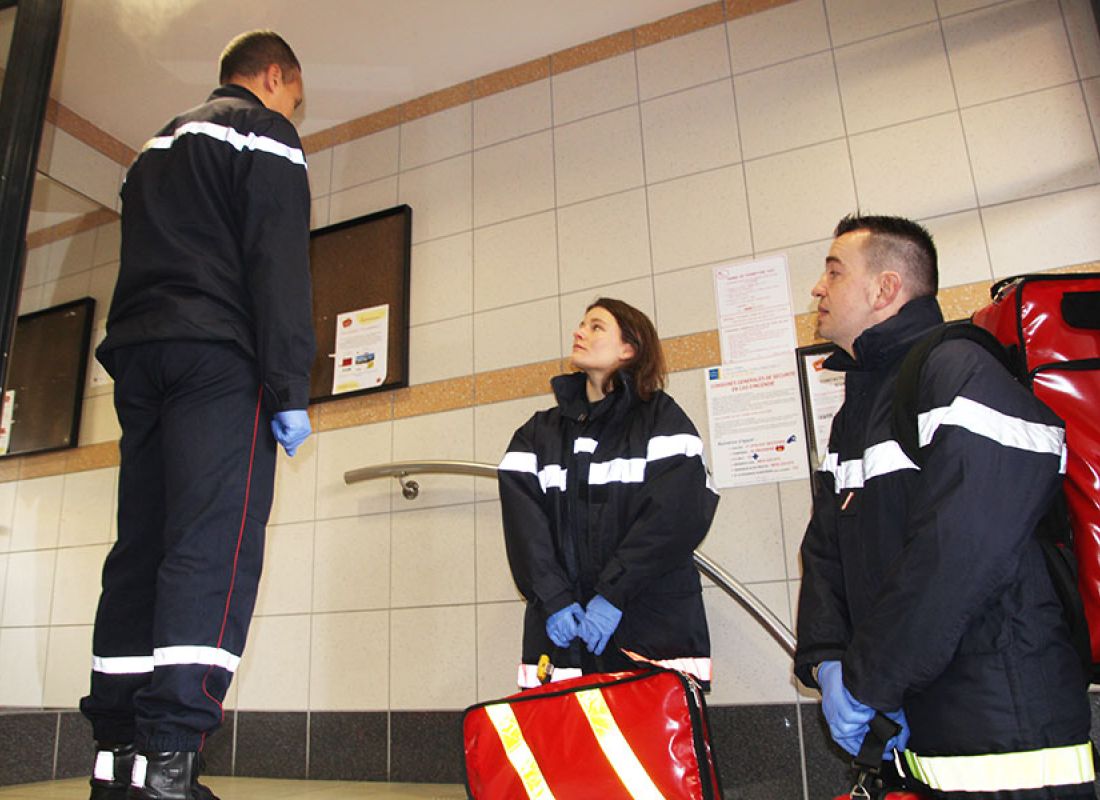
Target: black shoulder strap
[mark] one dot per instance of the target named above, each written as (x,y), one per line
(908,385)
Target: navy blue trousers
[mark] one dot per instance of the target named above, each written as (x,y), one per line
(179,586)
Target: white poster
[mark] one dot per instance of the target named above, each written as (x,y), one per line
(756,424)
(362,337)
(754,309)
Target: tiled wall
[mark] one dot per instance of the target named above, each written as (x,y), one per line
(629,176)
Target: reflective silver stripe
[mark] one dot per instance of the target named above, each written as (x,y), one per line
(529,675)
(552,476)
(122,665)
(235,139)
(680,444)
(1002,428)
(696,667)
(618,470)
(1004,772)
(583,444)
(515,461)
(880,459)
(195,654)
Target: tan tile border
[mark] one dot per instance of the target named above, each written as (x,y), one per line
(587,53)
(435,102)
(743,8)
(680,24)
(512,78)
(88,133)
(64,230)
(692,351)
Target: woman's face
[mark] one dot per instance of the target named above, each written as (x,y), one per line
(598,346)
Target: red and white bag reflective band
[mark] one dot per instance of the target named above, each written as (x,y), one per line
(615,736)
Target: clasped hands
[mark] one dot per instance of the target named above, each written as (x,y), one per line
(594,624)
(849,720)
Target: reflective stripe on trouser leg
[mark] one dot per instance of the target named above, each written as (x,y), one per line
(1002,772)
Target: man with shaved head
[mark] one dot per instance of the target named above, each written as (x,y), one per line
(210,343)
(925,592)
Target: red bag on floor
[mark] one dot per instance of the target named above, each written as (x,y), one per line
(614,736)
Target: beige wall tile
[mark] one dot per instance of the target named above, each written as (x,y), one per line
(448,436)
(349,662)
(598,156)
(320,172)
(961,248)
(434,555)
(918,169)
(274,671)
(1081,24)
(287,581)
(782,217)
(681,63)
(77,584)
(433,138)
(747,534)
(432,660)
(796,506)
(516,261)
(28,590)
(442,278)
(499,635)
(296,483)
(365,159)
(895,78)
(341,450)
(513,179)
(7,512)
(685,301)
(1069,234)
(699,219)
(441,350)
(440,195)
(603,241)
(514,335)
(351,563)
(805,263)
(494,426)
(595,88)
(84,170)
(512,113)
(1007,49)
(98,421)
(36,520)
(1029,145)
(853,20)
(949,8)
(790,105)
(790,30)
(67,661)
(690,131)
(365,199)
(87,507)
(23,665)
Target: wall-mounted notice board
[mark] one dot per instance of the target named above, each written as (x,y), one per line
(44,392)
(361,304)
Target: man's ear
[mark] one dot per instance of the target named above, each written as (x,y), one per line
(889,289)
(273,76)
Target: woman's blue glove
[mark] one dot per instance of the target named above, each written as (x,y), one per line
(600,621)
(291,428)
(901,740)
(561,626)
(847,717)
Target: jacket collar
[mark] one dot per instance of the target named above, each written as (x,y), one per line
(234,90)
(882,344)
(569,391)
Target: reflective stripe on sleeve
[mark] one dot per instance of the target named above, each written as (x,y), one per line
(519,753)
(236,139)
(584,444)
(620,755)
(1003,772)
(1001,428)
(880,459)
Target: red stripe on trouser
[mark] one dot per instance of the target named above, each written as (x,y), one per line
(237,549)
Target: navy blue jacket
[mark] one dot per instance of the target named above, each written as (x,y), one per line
(215,242)
(610,500)
(929,584)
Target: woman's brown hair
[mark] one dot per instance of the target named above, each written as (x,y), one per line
(648,367)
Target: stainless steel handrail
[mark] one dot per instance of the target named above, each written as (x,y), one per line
(401,470)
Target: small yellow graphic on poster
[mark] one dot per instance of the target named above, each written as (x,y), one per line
(362,337)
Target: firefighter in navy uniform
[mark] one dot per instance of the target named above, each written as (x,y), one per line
(925,594)
(605,498)
(210,343)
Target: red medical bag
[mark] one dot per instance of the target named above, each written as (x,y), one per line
(614,736)
(1051,325)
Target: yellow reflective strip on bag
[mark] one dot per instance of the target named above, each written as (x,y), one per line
(519,754)
(615,746)
(1002,772)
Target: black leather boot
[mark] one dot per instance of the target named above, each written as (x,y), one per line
(111,774)
(169,776)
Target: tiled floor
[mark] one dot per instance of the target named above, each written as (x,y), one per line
(260,789)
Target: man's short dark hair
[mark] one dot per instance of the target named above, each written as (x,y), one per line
(900,243)
(252,52)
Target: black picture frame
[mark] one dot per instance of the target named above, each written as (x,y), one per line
(361,263)
(803,357)
(46,369)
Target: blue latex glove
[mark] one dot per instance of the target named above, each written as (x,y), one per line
(600,621)
(291,428)
(847,717)
(561,626)
(900,741)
